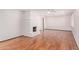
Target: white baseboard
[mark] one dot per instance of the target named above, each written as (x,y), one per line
(31,34)
(76,38)
(6,37)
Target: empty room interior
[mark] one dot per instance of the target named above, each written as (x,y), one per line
(39,29)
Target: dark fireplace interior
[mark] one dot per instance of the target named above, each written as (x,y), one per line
(34,29)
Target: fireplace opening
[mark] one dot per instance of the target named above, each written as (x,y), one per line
(34,29)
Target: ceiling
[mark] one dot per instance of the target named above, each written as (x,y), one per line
(51,12)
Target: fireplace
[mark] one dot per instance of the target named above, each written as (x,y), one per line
(34,29)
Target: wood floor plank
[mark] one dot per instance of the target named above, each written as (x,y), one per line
(49,40)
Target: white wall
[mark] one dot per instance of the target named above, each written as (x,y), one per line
(9,24)
(36,20)
(57,19)
(32,19)
(14,23)
(75,26)
(58,22)
(26,25)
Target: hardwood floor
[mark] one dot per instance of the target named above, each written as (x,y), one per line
(49,40)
